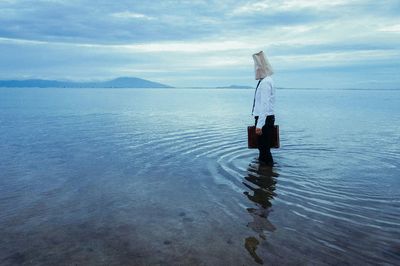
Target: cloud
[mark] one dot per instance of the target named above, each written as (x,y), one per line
(286,5)
(391,28)
(131,15)
(190,43)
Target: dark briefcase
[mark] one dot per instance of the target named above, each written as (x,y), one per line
(275,138)
(252,137)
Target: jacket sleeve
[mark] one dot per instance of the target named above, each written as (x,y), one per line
(265,94)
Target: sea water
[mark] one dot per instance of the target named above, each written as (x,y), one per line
(164,177)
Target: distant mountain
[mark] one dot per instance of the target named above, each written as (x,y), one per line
(122,82)
(236,87)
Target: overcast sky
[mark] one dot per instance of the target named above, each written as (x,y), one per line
(324,44)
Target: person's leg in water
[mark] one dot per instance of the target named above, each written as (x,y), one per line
(264,141)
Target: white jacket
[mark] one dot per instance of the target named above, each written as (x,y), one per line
(264,101)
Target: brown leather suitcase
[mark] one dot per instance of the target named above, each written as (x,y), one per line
(252,137)
(276,143)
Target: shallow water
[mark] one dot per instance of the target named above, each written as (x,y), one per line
(163,177)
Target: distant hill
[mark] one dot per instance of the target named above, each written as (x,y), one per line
(236,87)
(122,82)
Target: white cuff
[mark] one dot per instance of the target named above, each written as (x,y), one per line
(261,121)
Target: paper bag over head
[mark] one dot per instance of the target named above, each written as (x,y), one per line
(262,67)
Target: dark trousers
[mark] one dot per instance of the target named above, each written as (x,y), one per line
(265,140)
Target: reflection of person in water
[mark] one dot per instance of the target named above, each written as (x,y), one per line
(263,192)
(260,181)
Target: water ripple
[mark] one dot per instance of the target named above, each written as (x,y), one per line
(315,191)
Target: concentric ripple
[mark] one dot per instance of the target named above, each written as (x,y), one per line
(330,202)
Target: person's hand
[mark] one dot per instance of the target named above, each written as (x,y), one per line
(258,131)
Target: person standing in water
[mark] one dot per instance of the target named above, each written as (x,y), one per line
(263,107)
